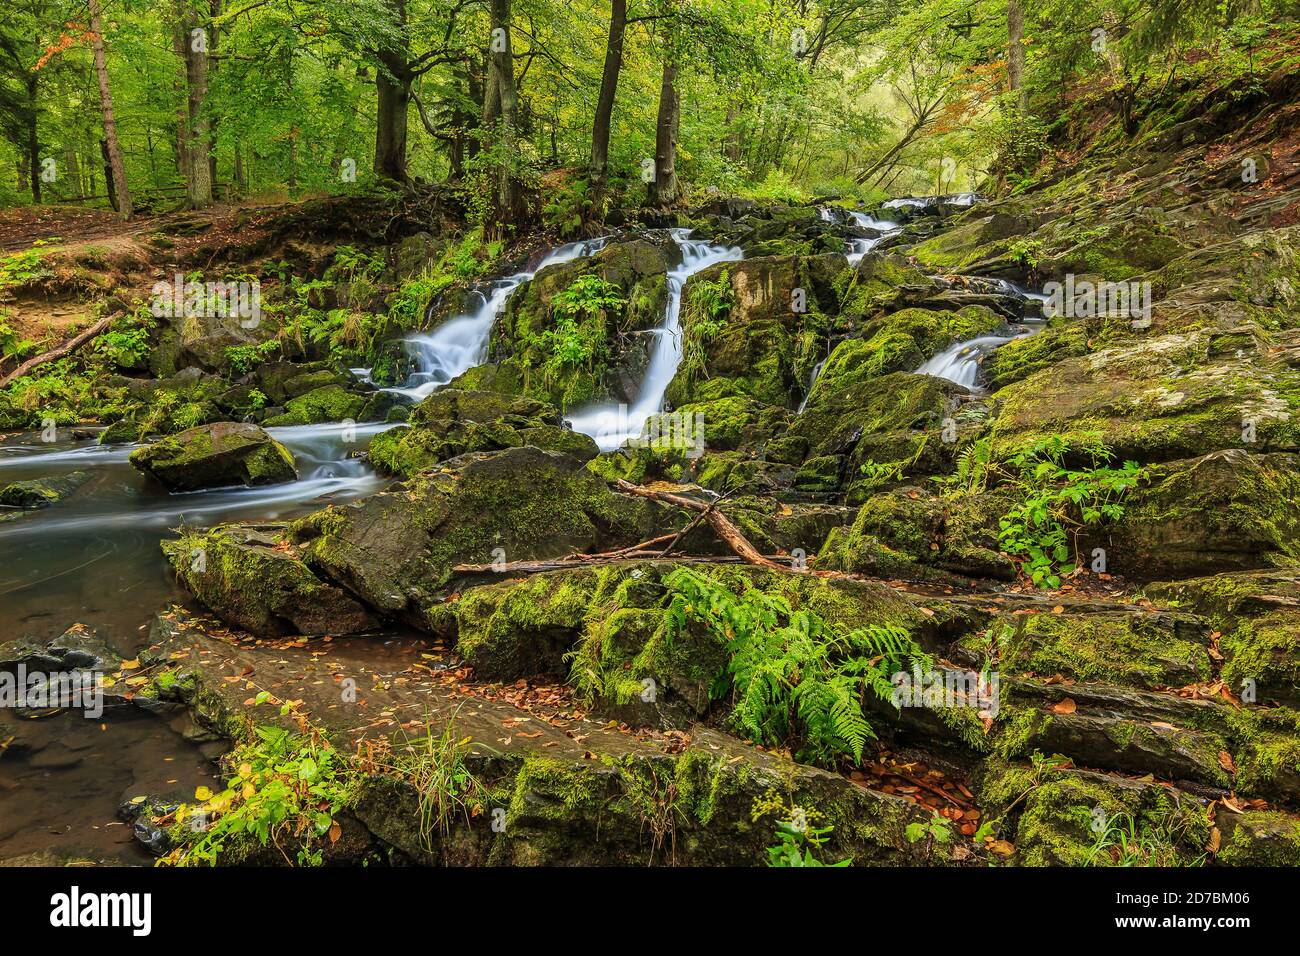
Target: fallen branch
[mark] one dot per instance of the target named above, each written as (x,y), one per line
(721,524)
(588,560)
(74,343)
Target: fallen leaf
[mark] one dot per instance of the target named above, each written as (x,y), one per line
(1225,761)
(1065,706)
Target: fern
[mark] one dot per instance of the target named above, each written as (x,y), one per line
(793,677)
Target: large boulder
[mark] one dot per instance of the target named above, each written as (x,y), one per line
(576,332)
(1157,399)
(452,422)
(215,456)
(746,325)
(1226,511)
(252,578)
(397,550)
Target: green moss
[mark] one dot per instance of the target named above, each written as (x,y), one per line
(330,403)
(1129,650)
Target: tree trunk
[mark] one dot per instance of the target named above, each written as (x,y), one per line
(393,86)
(394,106)
(501,78)
(1016,54)
(33,141)
(215,35)
(194,49)
(114,169)
(663,191)
(600,127)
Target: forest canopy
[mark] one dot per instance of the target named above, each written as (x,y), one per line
(197,101)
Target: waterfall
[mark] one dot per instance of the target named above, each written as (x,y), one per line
(812,380)
(611,424)
(860,247)
(961,362)
(460,343)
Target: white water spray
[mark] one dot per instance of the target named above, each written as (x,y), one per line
(459,344)
(611,425)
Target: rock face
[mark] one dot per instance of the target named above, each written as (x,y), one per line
(215,456)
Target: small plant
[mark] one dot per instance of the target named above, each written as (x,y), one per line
(1057,504)
(708,303)
(244,358)
(286,790)
(936,830)
(580,335)
(434,763)
(791,675)
(22,267)
(1124,841)
(796,833)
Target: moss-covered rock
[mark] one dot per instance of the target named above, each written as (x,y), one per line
(41,492)
(876,418)
(741,327)
(556,342)
(1130,649)
(1258,613)
(329,403)
(1226,511)
(1259,838)
(1176,396)
(252,578)
(906,531)
(214,456)
(452,422)
(397,549)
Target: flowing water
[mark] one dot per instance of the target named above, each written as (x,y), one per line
(859,247)
(610,424)
(961,362)
(95,559)
(461,343)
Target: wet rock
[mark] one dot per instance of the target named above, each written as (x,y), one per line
(252,578)
(741,325)
(329,403)
(215,456)
(78,648)
(40,492)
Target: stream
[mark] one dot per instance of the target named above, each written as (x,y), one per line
(95,558)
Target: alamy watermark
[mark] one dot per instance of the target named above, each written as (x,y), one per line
(193,299)
(1084,299)
(945,688)
(37,690)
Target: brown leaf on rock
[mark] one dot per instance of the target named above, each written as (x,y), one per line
(1065,705)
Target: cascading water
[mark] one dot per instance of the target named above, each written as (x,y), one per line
(459,344)
(860,247)
(611,425)
(812,380)
(961,362)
